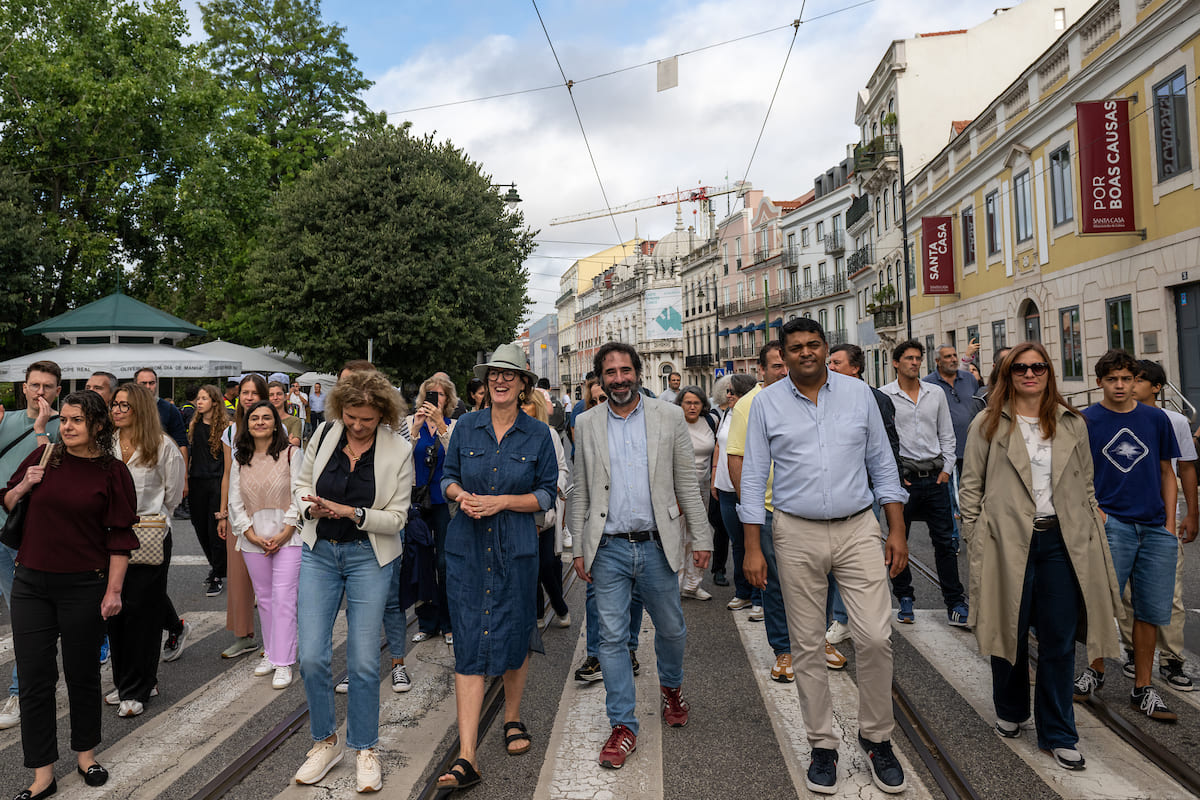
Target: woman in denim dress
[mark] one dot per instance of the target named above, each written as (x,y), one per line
(501,470)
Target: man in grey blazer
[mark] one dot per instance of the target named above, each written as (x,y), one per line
(632,534)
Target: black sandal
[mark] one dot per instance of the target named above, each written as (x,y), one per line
(464,774)
(521,735)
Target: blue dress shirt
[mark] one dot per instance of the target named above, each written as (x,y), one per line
(823,452)
(629,505)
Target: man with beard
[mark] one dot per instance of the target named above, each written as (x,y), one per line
(825,437)
(631,536)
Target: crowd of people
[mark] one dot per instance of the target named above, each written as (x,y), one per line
(305,503)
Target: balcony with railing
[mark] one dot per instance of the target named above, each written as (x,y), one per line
(824,287)
(860,258)
(837,336)
(835,243)
(702,360)
(868,155)
(566,348)
(565,296)
(858,209)
(887,318)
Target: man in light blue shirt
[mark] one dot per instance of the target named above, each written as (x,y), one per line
(824,434)
(634,506)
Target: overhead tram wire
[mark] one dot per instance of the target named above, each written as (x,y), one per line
(570,93)
(774,94)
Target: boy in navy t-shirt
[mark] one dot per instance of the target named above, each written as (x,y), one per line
(1132,446)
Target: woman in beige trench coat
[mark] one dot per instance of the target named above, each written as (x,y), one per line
(1038,554)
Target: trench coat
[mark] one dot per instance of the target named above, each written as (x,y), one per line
(996,501)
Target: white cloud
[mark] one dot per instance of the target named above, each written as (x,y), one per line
(646,142)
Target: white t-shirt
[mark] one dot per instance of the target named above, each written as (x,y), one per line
(722,479)
(1187,452)
(1038,448)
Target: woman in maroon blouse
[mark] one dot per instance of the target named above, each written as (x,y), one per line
(70,570)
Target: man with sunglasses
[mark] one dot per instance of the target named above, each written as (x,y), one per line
(927,455)
(1132,447)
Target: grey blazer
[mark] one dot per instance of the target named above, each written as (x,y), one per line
(674,491)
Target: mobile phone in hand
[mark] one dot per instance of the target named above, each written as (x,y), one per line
(434,398)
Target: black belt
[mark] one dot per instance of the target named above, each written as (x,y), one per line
(837,519)
(1045,523)
(637,536)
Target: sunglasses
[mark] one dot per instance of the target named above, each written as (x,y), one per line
(1039,368)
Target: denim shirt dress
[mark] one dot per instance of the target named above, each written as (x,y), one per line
(492,563)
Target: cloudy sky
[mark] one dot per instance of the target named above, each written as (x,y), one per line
(421,53)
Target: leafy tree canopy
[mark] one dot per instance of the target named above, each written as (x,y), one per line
(398,239)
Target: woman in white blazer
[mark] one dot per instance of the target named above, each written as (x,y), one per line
(353,492)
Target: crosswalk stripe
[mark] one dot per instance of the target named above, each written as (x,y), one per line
(783,704)
(571,770)
(1114,770)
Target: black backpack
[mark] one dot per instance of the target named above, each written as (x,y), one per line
(558,416)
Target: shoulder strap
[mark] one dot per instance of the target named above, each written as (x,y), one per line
(15,442)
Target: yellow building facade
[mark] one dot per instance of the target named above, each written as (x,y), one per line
(1010,182)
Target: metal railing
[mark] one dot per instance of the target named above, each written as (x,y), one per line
(857,210)
(702,360)
(838,336)
(868,155)
(1170,395)
(888,318)
(835,243)
(862,257)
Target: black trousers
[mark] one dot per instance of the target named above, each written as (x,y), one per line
(929,502)
(550,573)
(46,607)
(205,497)
(720,535)
(135,635)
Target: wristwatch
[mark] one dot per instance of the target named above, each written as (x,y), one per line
(360,514)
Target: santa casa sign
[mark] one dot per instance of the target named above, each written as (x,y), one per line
(1105,166)
(937,255)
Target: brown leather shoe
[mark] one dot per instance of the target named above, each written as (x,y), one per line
(621,742)
(675,708)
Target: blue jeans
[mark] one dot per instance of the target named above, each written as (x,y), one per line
(835,609)
(620,567)
(592,621)
(1146,553)
(733,526)
(1050,601)
(774,614)
(328,572)
(8,566)
(395,622)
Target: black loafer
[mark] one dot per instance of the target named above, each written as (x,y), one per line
(28,795)
(95,775)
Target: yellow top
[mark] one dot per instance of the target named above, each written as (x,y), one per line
(736,443)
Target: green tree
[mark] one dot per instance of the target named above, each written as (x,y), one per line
(398,239)
(24,250)
(296,76)
(102,109)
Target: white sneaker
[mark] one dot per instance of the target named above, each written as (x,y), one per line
(343,686)
(129,708)
(282,679)
(564,621)
(567,541)
(370,775)
(113,698)
(264,668)
(322,758)
(697,593)
(10,716)
(737,604)
(756,614)
(838,632)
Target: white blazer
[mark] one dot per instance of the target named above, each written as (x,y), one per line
(393,487)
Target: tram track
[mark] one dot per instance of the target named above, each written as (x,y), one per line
(1143,743)
(262,749)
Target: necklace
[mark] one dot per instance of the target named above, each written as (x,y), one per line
(353,456)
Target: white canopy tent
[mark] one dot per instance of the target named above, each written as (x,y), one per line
(253,359)
(326,380)
(79,361)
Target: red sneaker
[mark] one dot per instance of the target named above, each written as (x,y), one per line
(675,708)
(621,742)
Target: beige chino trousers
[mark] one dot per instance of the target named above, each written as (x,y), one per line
(805,553)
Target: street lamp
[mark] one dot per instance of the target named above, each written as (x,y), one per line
(510,198)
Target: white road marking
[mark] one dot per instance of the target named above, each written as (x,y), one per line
(188,561)
(783,705)
(1114,770)
(155,756)
(571,770)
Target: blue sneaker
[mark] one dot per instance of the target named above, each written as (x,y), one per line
(822,771)
(104,651)
(886,772)
(905,614)
(957,616)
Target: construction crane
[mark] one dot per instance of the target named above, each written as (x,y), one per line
(700,194)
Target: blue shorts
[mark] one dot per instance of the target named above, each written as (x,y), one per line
(1146,553)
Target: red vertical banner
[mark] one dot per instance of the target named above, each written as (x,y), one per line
(937,255)
(1105,166)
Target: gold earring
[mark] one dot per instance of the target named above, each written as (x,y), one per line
(521,397)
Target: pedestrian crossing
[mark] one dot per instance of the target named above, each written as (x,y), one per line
(176,750)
